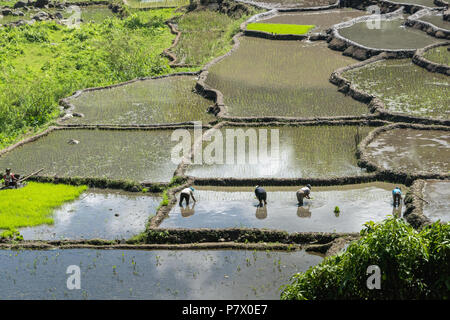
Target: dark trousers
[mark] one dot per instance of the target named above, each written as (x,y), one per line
(185,197)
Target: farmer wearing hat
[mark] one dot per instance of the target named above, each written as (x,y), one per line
(261,195)
(303,193)
(186,193)
(397,196)
(10,179)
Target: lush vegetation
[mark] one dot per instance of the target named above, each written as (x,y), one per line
(439,55)
(279,28)
(43,63)
(33,205)
(154,4)
(414,265)
(205,35)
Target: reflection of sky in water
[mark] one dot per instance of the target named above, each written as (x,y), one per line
(438,196)
(239,209)
(130,274)
(94,216)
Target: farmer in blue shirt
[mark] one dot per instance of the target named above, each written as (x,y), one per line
(397,196)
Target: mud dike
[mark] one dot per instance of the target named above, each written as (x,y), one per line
(353,166)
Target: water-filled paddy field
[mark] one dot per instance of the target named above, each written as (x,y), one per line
(437,194)
(438,55)
(132,274)
(98,214)
(436,20)
(411,150)
(426,3)
(298,3)
(405,87)
(307,152)
(165,100)
(225,207)
(114,154)
(390,35)
(156,3)
(282,78)
(322,20)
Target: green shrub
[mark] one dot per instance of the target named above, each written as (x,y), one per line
(414,265)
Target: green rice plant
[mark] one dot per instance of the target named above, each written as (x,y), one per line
(439,55)
(33,205)
(404,87)
(278,28)
(282,78)
(141,4)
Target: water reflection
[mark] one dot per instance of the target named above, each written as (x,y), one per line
(187,210)
(261,212)
(303,212)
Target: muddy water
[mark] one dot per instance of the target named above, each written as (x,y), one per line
(167,100)
(437,20)
(437,194)
(410,150)
(311,151)
(132,155)
(98,214)
(322,20)
(390,35)
(130,274)
(237,207)
(405,87)
(282,78)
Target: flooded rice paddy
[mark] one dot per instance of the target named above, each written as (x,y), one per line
(298,152)
(405,87)
(166,100)
(437,20)
(437,194)
(390,35)
(132,274)
(113,154)
(411,150)
(98,214)
(282,78)
(226,207)
(426,3)
(322,20)
(439,55)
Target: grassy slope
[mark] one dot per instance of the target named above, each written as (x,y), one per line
(277,28)
(43,63)
(34,204)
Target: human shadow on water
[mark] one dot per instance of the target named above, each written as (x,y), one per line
(303,211)
(261,212)
(188,210)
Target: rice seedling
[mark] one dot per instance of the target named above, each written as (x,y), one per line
(321,20)
(282,78)
(278,28)
(310,151)
(391,35)
(91,217)
(141,4)
(133,155)
(438,55)
(410,150)
(405,87)
(34,204)
(166,100)
(226,207)
(437,194)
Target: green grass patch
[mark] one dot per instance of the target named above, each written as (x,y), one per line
(279,28)
(33,205)
(45,62)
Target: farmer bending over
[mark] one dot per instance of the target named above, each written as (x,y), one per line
(303,193)
(397,196)
(186,193)
(10,179)
(261,195)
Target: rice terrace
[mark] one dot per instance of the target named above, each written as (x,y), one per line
(224,149)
